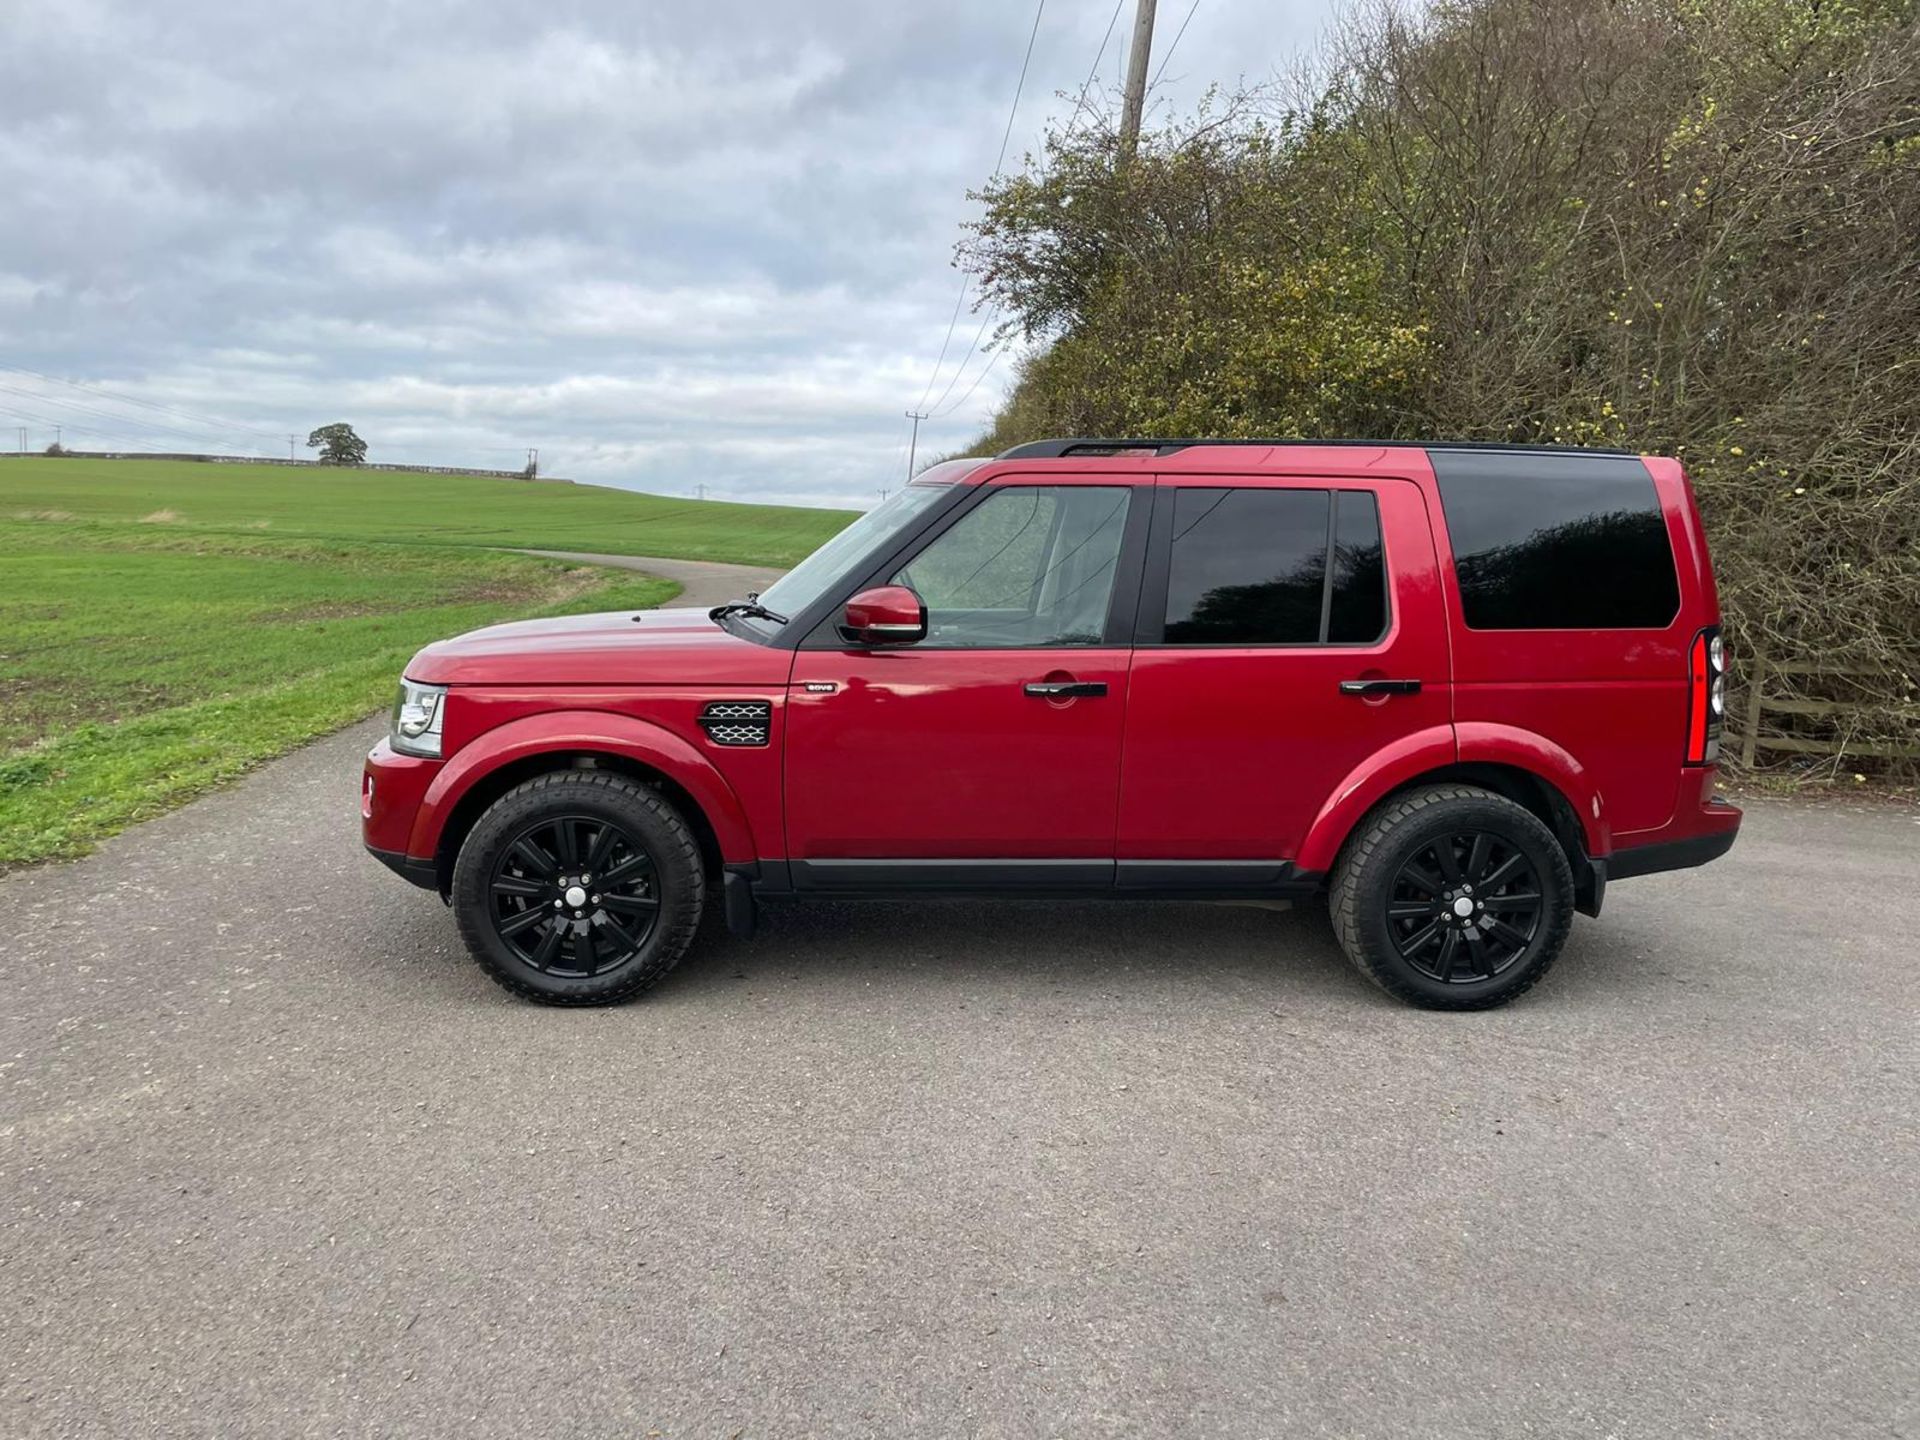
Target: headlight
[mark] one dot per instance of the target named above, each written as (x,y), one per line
(418,713)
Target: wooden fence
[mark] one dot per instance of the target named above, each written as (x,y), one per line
(1761,701)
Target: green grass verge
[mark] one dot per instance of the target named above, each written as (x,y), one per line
(140,667)
(406,508)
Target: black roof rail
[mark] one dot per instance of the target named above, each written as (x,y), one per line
(1084,445)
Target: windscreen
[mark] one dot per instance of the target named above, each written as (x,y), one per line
(813,576)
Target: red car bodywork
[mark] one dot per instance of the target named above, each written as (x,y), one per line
(1214,768)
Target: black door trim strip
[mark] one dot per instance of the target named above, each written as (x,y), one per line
(1124,879)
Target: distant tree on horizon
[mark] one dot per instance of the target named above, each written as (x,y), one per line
(338,445)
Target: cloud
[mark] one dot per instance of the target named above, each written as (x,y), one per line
(670,245)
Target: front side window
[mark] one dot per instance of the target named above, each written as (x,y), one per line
(1029,566)
(1275,567)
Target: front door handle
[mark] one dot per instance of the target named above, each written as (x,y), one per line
(1379,687)
(1065,689)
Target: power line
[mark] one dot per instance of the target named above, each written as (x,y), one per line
(1079,105)
(118,418)
(941,359)
(46,422)
(1020,85)
(1006,137)
(150,428)
(898,456)
(986,370)
(1174,46)
(214,421)
(1085,85)
(961,368)
(1093,69)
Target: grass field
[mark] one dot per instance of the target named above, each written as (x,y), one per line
(414,509)
(165,626)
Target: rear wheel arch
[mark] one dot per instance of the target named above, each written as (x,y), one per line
(1530,790)
(1510,750)
(1534,793)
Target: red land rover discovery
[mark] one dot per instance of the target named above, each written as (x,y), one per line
(1455,688)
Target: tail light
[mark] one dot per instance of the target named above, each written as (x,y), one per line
(1706,696)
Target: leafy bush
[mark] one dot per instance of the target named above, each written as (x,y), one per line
(1689,227)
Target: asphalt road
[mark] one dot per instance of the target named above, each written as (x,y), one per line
(702,582)
(275,1159)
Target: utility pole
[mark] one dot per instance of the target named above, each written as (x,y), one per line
(23,439)
(1135,101)
(290,440)
(914,444)
(700,491)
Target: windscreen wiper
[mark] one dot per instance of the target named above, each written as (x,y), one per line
(749,606)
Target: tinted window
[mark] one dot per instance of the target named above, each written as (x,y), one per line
(1030,565)
(1357,614)
(1247,567)
(1557,542)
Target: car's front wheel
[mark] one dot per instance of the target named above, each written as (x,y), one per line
(581,887)
(1452,897)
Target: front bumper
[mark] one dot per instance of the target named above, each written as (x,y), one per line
(391,789)
(423,873)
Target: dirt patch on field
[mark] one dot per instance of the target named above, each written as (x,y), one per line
(331,610)
(160,517)
(572,583)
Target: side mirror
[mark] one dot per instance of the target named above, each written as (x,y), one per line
(884,615)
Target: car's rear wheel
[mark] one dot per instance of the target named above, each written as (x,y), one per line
(1452,897)
(580,887)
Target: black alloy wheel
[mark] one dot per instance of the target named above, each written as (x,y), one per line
(1452,897)
(1464,907)
(579,887)
(574,895)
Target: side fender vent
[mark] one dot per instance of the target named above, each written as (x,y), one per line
(737,722)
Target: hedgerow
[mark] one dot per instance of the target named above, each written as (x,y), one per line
(1689,227)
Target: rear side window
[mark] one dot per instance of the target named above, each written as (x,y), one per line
(1275,567)
(1357,610)
(1557,542)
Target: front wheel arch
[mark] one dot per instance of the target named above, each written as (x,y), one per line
(478,797)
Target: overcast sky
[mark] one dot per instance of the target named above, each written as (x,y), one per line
(669,244)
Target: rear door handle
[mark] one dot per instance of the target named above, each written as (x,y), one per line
(1379,687)
(1065,689)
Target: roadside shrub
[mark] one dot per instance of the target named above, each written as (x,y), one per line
(1689,227)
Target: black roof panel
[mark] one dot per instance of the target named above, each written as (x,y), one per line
(1084,445)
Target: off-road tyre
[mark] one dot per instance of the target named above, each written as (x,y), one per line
(644,820)
(1371,874)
